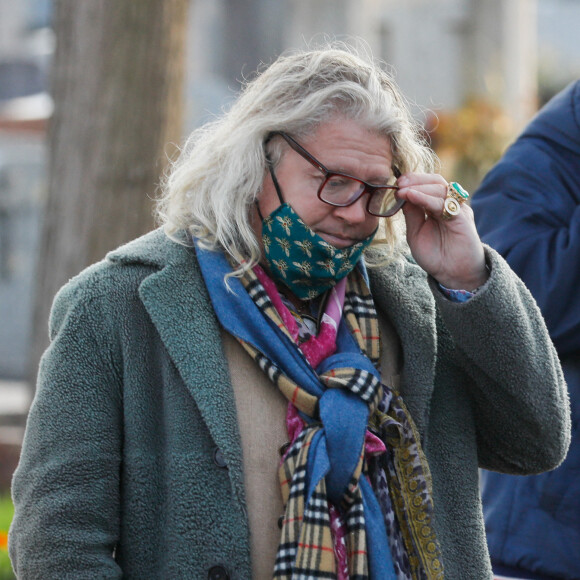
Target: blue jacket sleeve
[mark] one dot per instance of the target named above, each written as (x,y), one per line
(528,208)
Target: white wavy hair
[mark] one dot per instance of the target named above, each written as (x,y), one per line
(211,189)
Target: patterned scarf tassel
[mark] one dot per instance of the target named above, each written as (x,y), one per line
(410,487)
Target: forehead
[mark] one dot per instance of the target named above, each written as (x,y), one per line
(344,144)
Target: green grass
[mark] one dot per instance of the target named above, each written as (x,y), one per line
(6,514)
(6,572)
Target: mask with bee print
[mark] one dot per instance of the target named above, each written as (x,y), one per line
(300,259)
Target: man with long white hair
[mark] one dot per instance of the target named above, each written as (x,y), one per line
(291,378)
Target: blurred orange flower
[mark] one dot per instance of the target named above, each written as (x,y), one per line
(3,540)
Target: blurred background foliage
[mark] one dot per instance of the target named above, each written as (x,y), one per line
(471,139)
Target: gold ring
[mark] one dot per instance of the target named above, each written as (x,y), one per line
(457,192)
(451,208)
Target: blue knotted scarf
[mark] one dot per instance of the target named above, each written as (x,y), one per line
(335,449)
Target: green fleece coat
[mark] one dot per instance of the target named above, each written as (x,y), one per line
(131,464)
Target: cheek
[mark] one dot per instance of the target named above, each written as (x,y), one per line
(312,211)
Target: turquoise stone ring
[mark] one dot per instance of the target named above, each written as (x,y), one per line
(456,191)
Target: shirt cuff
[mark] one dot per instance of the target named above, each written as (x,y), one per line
(457,295)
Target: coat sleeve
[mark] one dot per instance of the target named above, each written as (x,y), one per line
(66,487)
(520,401)
(528,208)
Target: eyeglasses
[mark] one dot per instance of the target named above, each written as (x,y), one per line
(341,190)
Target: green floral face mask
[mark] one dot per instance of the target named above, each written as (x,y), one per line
(301,259)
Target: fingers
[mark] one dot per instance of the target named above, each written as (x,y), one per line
(432,194)
(426,191)
(421,179)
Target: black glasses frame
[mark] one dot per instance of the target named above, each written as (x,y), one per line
(368,187)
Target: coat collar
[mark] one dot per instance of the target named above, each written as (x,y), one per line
(152,249)
(176,299)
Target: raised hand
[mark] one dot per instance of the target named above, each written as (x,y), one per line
(446,246)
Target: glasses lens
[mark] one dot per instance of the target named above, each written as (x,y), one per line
(384,202)
(341,190)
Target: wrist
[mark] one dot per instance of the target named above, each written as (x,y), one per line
(467,283)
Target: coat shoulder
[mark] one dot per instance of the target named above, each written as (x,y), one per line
(128,265)
(114,282)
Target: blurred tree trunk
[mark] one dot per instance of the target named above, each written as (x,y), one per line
(117,87)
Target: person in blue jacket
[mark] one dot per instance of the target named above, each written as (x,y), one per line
(528,208)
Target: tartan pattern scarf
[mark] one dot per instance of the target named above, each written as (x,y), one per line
(326,463)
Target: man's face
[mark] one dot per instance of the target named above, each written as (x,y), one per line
(342,146)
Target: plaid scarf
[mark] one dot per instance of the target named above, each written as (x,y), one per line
(326,463)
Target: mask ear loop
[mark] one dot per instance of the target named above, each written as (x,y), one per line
(274,180)
(276,186)
(258,210)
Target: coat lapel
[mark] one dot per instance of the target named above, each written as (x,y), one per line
(401,293)
(179,306)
